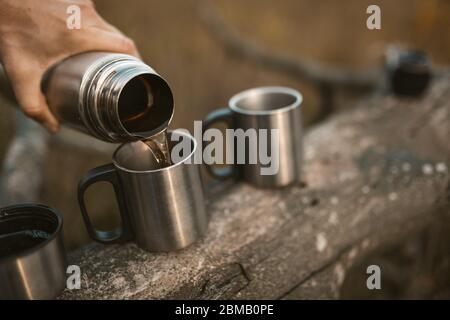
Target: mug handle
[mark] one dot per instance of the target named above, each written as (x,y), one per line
(105,173)
(221,115)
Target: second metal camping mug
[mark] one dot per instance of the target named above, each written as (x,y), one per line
(263,110)
(32,256)
(162,209)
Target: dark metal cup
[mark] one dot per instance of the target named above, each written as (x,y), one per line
(32,256)
(162,209)
(264,108)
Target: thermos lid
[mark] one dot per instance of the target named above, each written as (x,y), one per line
(24,228)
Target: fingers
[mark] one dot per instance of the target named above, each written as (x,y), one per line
(101,28)
(26,86)
(41,113)
(101,40)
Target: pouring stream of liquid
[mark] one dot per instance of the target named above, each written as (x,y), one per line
(159,147)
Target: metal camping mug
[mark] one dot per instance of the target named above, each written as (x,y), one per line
(162,209)
(32,256)
(264,108)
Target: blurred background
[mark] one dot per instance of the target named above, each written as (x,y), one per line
(177,39)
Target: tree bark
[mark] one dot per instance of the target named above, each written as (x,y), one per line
(374,175)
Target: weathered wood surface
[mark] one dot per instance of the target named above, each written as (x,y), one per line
(373,176)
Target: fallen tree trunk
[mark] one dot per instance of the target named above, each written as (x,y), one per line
(373,176)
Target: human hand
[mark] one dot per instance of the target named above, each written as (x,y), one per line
(34,36)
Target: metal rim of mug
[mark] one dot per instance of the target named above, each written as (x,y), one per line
(263,90)
(117,165)
(26,208)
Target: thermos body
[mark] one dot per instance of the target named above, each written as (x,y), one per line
(113,97)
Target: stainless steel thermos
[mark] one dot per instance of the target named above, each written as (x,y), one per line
(113,97)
